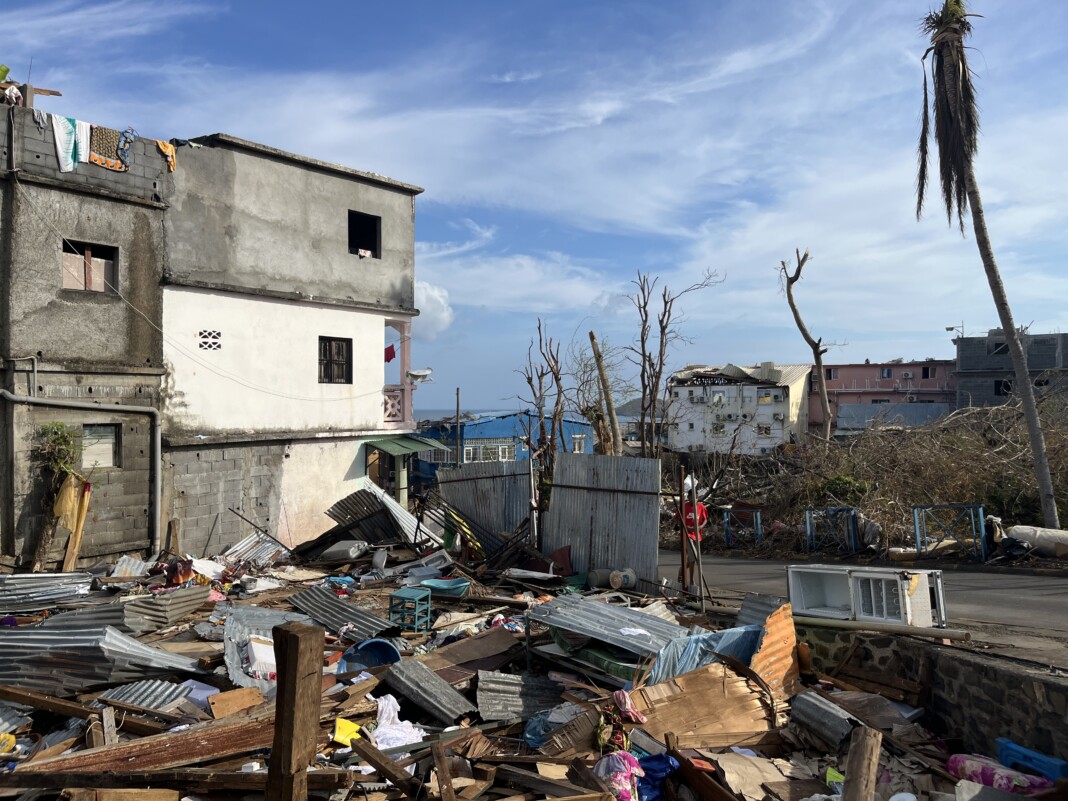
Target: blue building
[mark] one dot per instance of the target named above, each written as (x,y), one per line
(492,438)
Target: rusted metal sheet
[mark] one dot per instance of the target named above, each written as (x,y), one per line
(608,510)
(493,495)
(775,660)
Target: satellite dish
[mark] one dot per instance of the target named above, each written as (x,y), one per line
(420,376)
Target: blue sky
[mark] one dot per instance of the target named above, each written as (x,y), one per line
(566,146)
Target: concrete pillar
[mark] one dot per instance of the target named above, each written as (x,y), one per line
(400,483)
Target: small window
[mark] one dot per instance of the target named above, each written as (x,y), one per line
(763,429)
(578,443)
(100,446)
(335,360)
(886,372)
(997,348)
(764,396)
(718,428)
(1003,387)
(929,372)
(832,373)
(89,268)
(689,392)
(675,394)
(209,340)
(691,426)
(506,453)
(880,400)
(469,453)
(1041,383)
(365,235)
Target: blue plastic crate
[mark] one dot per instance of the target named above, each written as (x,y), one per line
(1016,756)
(409,608)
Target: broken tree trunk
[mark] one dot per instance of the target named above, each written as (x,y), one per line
(606,393)
(815,344)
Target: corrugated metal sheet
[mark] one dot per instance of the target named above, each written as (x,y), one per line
(410,528)
(66,661)
(12,718)
(419,684)
(605,622)
(608,510)
(756,608)
(505,695)
(823,718)
(242,622)
(32,592)
(859,416)
(329,610)
(149,694)
(141,615)
(131,567)
(775,659)
(258,548)
(363,515)
(493,495)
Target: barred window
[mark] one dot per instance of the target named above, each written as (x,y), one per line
(335,360)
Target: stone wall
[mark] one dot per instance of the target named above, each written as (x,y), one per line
(975,697)
(202,484)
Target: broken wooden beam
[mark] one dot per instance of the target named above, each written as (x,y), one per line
(72,709)
(201,778)
(385,767)
(862,764)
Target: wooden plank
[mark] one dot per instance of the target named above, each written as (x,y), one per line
(384,766)
(795,790)
(182,779)
(107,717)
(527,779)
(441,768)
(699,781)
(485,775)
(743,739)
(862,764)
(72,709)
(231,701)
(298,652)
(74,544)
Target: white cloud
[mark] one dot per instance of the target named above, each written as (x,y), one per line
(435,312)
(516,76)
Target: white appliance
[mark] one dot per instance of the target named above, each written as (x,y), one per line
(873,594)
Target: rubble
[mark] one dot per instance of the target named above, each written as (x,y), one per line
(528,684)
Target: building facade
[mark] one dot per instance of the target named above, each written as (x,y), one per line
(985,375)
(731,409)
(928,381)
(229,334)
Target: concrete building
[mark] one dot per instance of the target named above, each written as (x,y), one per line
(928,381)
(985,376)
(232,334)
(750,410)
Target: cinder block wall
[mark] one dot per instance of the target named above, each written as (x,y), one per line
(202,484)
(975,697)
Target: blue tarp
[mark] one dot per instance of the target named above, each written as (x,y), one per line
(683,654)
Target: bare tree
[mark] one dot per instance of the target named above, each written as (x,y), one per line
(649,352)
(544,375)
(789,279)
(607,396)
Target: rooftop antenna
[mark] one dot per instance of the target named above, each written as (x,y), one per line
(29,72)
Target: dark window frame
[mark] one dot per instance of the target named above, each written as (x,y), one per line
(998,349)
(1003,387)
(108,253)
(365,234)
(335,360)
(929,372)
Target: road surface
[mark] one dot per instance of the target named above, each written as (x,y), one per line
(1027,613)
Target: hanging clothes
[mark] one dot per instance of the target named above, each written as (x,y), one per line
(126,138)
(72,141)
(391,353)
(104,149)
(40,119)
(169,152)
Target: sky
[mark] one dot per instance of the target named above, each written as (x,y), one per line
(566,147)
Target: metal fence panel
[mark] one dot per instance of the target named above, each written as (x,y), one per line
(607,508)
(495,495)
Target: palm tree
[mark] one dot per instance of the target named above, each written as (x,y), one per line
(956,134)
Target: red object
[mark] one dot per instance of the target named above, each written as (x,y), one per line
(391,353)
(688,520)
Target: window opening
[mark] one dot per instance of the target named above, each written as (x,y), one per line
(335,360)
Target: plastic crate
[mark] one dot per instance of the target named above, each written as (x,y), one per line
(1016,756)
(409,608)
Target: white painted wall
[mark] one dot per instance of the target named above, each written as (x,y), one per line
(265,378)
(315,476)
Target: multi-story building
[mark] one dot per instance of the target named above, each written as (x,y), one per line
(745,410)
(930,381)
(985,375)
(227,326)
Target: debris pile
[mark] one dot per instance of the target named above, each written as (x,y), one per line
(372,664)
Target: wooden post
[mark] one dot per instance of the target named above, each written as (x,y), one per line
(74,544)
(441,767)
(174,536)
(862,764)
(298,651)
(680,510)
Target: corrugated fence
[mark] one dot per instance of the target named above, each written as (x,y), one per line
(495,495)
(607,508)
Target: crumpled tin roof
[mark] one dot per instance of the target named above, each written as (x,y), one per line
(139,616)
(65,661)
(260,549)
(32,592)
(244,621)
(502,696)
(130,567)
(421,685)
(607,623)
(13,717)
(149,694)
(329,610)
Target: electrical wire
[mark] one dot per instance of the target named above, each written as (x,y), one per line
(222,373)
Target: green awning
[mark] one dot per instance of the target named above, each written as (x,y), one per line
(402,444)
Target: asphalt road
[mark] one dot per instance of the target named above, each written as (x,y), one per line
(1025,612)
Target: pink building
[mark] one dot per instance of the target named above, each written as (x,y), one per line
(928,381)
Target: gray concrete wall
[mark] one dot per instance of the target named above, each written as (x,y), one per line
(975,697)
(119,510)
(201,485)
(262,222)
